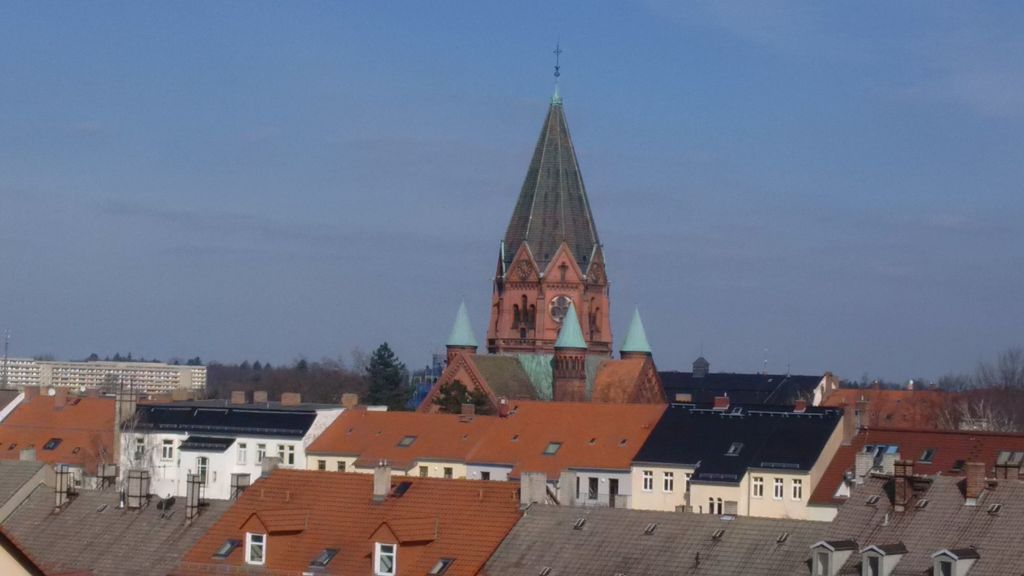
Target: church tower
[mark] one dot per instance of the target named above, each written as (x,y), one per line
(551,258)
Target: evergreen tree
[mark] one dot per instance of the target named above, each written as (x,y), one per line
(388,380)
(454,394)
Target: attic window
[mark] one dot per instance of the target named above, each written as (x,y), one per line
(782,538)
(75,451)
(995,508)
(921,504)
(650,528)
(622,442)
(734,449)
(545,571)
(325,558)
(441,567)
(406,441)
(52,444)
(927,456)
(515,437)
(578,524)
(552,448)
(718,534)
(401,489)
(226,549)
(13,444)
(872,500)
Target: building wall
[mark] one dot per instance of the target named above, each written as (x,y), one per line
(9,566)
(658,498)
(149,377)
(435,468)
(499,473)
(604,481)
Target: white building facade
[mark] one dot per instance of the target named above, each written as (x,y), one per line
(144,377)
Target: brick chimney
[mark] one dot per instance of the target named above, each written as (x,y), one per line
(503,408)
(260,397)
(349,400)
(381,481)
(570,376)
(974,484)
(849,424)
(722,402)
(238,396)
(30,393)
(468,409)
(862,464)
(533,488)
(800,407)
(291,398)
(862,413)
(60,398)
(902,490)
(27,455)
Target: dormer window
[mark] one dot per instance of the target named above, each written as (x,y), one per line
(828,556)
(881,560)
(954,562)
(384,559)
(255,548)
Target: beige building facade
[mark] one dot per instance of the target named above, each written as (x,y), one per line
(145,377)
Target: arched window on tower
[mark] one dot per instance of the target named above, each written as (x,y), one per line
(561,272)
(516,316)
(531,318)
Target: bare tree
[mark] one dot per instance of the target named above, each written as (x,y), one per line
(1007,372)
(979,413)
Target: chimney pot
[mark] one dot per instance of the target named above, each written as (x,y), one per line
(30,393)
(503,408)
(60,398)
(349,400)
(722,402)
(381,481)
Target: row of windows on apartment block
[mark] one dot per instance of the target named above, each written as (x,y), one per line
(385,556)
(285,452)
(424,471)
(668,482)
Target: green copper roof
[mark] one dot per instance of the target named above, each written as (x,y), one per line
(570,336)
(636,338)
(462,331)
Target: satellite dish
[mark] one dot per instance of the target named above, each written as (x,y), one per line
(51,391)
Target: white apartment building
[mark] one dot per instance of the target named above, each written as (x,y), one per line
(145,377)
(226,444)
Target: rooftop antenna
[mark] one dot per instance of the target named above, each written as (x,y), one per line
(557,98)
(764,366)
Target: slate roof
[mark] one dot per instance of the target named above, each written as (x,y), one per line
(948,447)
(84,428)
(552,207)
(92,533)
(769,438)
(464,520)
(249,420)
(895,408)
(946,522)
(778,389)
(13,476)
(612,541)
(7,396)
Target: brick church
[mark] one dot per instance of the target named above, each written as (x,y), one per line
(549,336)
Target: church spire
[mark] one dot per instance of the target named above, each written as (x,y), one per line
(636,337)
(570,336)
(462,335)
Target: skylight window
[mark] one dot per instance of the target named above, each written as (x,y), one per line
(406,441)
(921,504)
(545,571)
(651,528)
(226,549)
(441,567)
(324,558)
(734,449)
(578,525)
(927,456)
(995,508)
(718,534)
(52,444)
(872,500)
(552,448)
(515,437)
(782,538)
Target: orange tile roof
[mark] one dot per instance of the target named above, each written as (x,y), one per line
(592,435)
(376,436)
(85,427)
(948,446)
(895,408)
(464,520)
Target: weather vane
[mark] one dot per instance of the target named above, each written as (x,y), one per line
(558,53)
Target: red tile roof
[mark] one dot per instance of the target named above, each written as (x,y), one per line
(84,426)
(948,447)
(916,409)
(463,520)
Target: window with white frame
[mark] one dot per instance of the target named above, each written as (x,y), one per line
(255,548)
(688,475)
(757,487)
(796,489)
(384,557)
(289,455)
(167,450)
(668,481)
(261,453)
(648,476)
(140,447)
(243,452)
(202,466)
(778,489)
(822,563)
(945,567)
(872,565)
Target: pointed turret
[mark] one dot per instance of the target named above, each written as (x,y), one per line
(636,338)
(461,336)
(571,336)
(569,366)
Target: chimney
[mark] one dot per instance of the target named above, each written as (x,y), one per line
(138,488)
(291,399)
(910,386)
(349,400)
(533,488)
(800,407)
(238,396)
(93,392)
(503,408)
(974,484)
(259,397)
(567,488)
(849,425)
(270,463)
(862,413)
(192,497)
(63,487)
(902,490)
(722,402)
(468,409)
(889,463)
(381,481)
(60,398)
(830,384)
(182,394)
(862,465)
(27,455)
(30,393)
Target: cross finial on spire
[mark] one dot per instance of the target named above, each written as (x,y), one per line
(557,98)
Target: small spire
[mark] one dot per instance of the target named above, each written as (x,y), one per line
(462,331)
(557,98)
(571,336)
(636,337)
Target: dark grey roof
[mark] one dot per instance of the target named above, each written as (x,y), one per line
(91,532)
(741,388)
(613,541)
(7,396)
(995,539)
(224,420)
(553,206)
(206,444)
(765,437)
(14,474)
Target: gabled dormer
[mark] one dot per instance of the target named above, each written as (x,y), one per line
(954,562)
(829,556)
(881,560)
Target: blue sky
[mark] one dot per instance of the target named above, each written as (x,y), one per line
(837,184)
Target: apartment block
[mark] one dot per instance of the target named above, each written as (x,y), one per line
(144,377)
